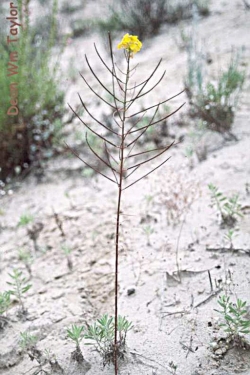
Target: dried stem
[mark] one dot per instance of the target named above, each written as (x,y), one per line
(118,214)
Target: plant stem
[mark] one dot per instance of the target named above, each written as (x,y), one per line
(118,213)
(19,295)
(219,206)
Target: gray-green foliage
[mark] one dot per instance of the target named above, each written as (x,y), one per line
(19,287)
(25,256)
(214,100)
(4,302)
(67,250)
(229,208)
(229,236)
(145,17)
(75,333)
(195,137)
(173,367)
(102,333)
(25,219)
(40,99)
(27,341)
(233,314)
(148,230)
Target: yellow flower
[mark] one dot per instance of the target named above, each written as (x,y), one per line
(131,43)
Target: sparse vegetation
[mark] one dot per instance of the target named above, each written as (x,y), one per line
(28,136)
(19,288)
(148,230)
(101,335)
(81,27)
(145,17)
(235,325)
(197,144)
(214,101)
(173,367)
(229,209)
(5,302)
(75,333)
(229,236)
(28,341)
(25,219)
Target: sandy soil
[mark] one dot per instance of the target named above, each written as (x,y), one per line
(173,321)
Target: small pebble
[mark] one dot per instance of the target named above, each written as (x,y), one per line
(130,291)
(214,345)
(219,352)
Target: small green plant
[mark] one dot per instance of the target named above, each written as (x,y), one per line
(143,17)
(27,341)
(229,208)
(148,198)
(148,230)
(173,367)
(87,172)
(234,323)
(4,305)
(75,333)
(214,101)
(4,302)
(196,141)
(102,333)
(25,219)
(19,287)
(28,344)
(229,236)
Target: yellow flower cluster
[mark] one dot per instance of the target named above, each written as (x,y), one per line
(131,43)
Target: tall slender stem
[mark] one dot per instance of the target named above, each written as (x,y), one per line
(118,212)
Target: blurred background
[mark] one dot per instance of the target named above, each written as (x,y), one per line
(204,46)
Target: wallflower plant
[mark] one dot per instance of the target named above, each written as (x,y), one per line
(120,139)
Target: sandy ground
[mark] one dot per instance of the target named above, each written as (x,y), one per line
(173,322)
